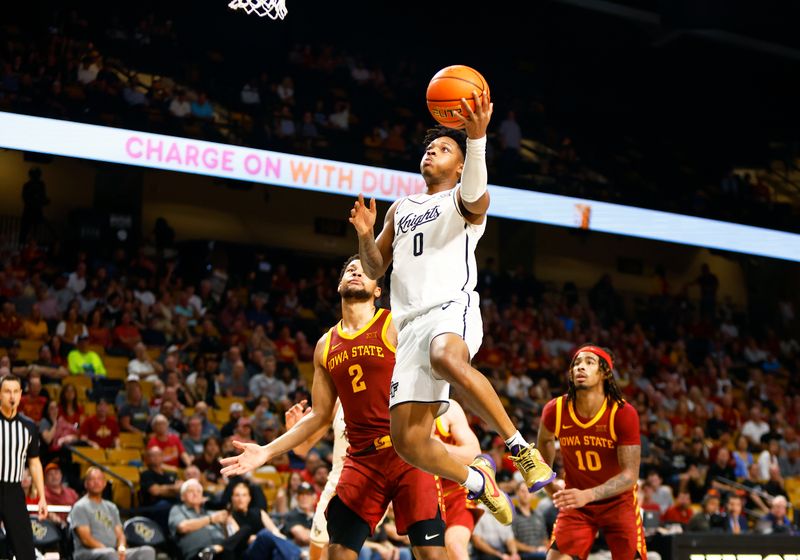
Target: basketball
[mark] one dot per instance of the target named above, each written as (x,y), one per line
(446,89)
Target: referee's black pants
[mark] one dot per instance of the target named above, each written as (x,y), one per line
(17,522)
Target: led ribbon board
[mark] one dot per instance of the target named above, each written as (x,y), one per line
(156,151)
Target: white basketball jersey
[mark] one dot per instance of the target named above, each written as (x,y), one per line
(340,446)
(434,255)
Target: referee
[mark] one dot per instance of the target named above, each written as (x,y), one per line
(19,439)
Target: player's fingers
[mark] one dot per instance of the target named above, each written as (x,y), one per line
(467,109)
(373,207)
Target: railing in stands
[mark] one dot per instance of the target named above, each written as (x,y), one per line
(760,493)
(131,486)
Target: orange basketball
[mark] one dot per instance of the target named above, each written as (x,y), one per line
(446,89)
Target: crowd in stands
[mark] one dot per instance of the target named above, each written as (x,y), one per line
(314,98)
(129,362)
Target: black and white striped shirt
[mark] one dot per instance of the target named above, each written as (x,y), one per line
(19,440)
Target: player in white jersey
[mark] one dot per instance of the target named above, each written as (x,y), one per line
(319,526)
(431,238)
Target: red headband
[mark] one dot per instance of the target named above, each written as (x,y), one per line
(595,350)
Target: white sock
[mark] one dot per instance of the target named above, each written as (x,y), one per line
(474,482)
(516,439)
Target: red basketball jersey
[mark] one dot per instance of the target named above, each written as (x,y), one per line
(589,445)
(361,365)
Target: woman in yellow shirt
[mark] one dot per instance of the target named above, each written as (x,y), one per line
(34,327)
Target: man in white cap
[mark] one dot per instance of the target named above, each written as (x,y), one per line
(236,410)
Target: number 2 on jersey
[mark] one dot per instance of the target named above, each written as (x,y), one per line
(357,373)
(592,460)
(417,244)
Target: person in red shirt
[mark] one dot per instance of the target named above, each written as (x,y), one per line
(34,401)
(681,511)
(101,429)
(126,335)
(10,323)
(354,361)
(56,493)
(599,437)
(169,443)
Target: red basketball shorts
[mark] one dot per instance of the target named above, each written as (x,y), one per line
(460,511)
(369,482)
(575,529)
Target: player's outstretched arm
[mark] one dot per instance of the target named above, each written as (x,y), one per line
(473,196)
(323,393)
(375,253)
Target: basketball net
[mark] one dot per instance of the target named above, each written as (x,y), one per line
(273,8)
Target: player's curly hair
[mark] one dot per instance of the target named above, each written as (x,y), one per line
(456,134)
(610,387)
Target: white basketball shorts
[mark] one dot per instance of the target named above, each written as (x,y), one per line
(413,379)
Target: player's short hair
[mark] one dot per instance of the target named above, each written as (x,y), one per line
(458,135)
(350,259)
(10,377)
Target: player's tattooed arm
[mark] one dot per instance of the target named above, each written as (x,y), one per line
(629,457)
(375,252)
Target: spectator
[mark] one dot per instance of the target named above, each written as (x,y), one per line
(142,364)
(99,333)
(11,326)
(510,136)
(247,521)
(71,328)
(159,488)
(236,410)
(530,533)
(35,327)
(76,281)
(236,384)
(202,109)
(297,524)
(47,367)
(83,361)
(266,383)
(101,429)
(491,539)
(662,494)
(742,458)
(681,511)
(34,199)
(194,528)
(35,400)
(755,427)
(769,457)
(68,406)
(208,461)
(707,519)
(169,443)
(57,493)
(126,335)
(193,440)
(180,107)
(87,71)
(776,522)
(735,519)
(134,414)
(97,528)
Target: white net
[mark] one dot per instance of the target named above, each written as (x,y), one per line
(273,8)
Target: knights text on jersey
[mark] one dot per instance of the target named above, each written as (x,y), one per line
(433,255)
(360,365)
(589,445)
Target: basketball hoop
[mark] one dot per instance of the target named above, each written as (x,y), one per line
(273,8)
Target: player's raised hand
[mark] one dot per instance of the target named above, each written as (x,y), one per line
(476,122)
(571,498)
(362,216)
(296,412)
(251,457)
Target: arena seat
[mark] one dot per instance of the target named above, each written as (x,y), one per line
(131,441)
